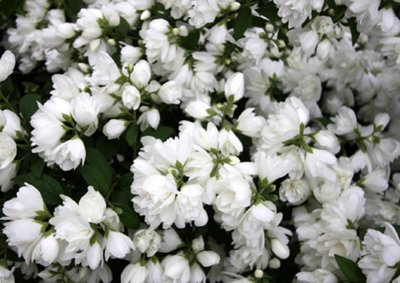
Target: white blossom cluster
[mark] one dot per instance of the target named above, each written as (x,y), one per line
(286,135)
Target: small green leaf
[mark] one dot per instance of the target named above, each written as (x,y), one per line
(96,171)
(49,188)
(28,105)
(122,199)
(242,22)
(162,132)
(350,269)
(131,134)
(71,8)
(353,29)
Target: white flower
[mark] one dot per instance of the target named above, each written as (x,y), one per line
(280,249)
(92,206)
(170,241)
(131,97)
(249,124)
(85,110)
(94,255)
(318,164)
(150,117)
(235,86)
(294,191)
(46,250)
(7,64)
(324,49)
(141,74)
(6,176)
(176,268)
(309,41)
(327,140)
(8,150)
(69,154)
(147,241)
(12,124)
(134,273)
(271,166)
(130,54)
(114,128)
(198,244)
(197,109)
(229,143)
(6,276)
(197,274)
(190,206)
(208,258)
(316,276)
(26,205)
(345,122)
(380,254)
(170,92)
(117,245)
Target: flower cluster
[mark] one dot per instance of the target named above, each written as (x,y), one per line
(200,141)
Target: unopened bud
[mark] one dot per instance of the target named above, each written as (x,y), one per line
(258,273)
(83,67)
(274,263)
(175,31)
(281,43)
(269,27)
(183,31)
(235,6)
(145,15)
(111,42)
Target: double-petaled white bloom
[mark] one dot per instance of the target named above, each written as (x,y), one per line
(381,253)
(134,273)
(147,241)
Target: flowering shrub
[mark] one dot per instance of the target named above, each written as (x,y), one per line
(200,140)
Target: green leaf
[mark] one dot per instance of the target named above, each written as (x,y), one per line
(71,8)
(131,134)
(49,188)
(10,7)
(242,22)
(353,29)
(162,132)
(28,105)
(37,167)
(122,199)
(270,11)
(190,42)
(97,172)
(107,147)
(350,269)
(123,27)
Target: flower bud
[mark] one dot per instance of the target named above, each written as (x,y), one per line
(198,244)
(145,15)
(279,249)
(141,74)
(92,206)
(117,245)
(170,92)
(323,49)
(8,150)
(208,258)
(114,128)
(235,86)
(382,119)
(7,64)
(131,97)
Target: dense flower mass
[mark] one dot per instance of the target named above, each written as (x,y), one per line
(200,141)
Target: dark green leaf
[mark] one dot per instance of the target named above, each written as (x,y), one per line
(270,11)
(96,171)
(131,134)
(350,269)
(107,147)
(126,180)
(28,105)
(353,29)
(37,167)
(258,22)
(190,42)
(162,132)
(10,7)
(242,22)
(129,217)
(49,188)
(71,8)
(123,27)
(122,199)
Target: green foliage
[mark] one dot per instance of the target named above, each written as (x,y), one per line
(97,172)
(28,105)
(131,134)
(71,9)
(350,269)
(162,132)
(353,29)
(190,42)
(242,22)
(269,10)
(9,8)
